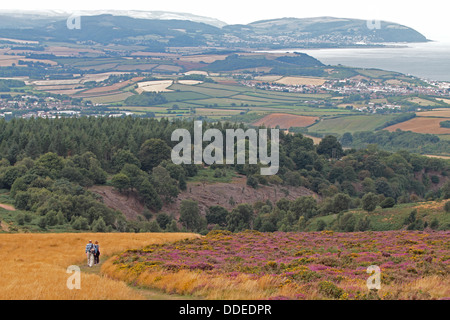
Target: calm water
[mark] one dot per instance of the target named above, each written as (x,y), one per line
(425,60)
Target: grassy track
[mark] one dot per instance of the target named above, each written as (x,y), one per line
(148,293)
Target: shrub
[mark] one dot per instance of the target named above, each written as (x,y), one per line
(411,218)
(388,203)
(434,224)
(363,224)
(99,225)
(321,225)
(435,179)
(163,220)
(20,219)
(252,181)
(80,223)
(346,222)
(330,290)
(370,201)
(447,206)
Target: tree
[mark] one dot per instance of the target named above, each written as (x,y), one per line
(217,215)
(387,203)
(346,222)
(20,219)
(330,147)
(122,157)
(172,227)
(80,223)
(347,139)
(240,218)
(411,218)
(363,224)
(165,186)
(252,181)
(135,174)
(446,190)
(190,215)
(49,164)
(321,225)
(99,225)
(163,220)
(149,195)
(368,185)
(304,206)
(152,153)
(383,187)
(370,202)
(341,202)
(182,183)
(121,182)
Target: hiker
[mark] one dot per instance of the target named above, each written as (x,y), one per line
(96,253)
(90,253)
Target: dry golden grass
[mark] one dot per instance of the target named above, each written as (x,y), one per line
(421,125)
(154,86)
(196,72)
(34,266)
(440,113)
(190,82)
(204,285)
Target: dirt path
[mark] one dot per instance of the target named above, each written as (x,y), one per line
(7,207)
(149,294)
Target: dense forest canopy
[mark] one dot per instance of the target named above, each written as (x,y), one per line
(47,164)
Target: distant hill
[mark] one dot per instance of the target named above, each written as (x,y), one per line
(165,29)
(300,64)
(12,16)
(330,27)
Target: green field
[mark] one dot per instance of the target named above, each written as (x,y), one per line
(341,125)
(394,218)
(218,100)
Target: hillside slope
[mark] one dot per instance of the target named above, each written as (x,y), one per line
(227,195)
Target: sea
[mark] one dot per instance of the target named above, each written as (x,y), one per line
(428,60)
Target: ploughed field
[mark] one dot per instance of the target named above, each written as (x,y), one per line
(316,265)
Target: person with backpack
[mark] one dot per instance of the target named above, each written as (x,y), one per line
(96,253)
(90,250)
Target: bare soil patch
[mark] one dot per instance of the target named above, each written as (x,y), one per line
(227,195)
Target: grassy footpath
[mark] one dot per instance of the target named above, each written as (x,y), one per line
(147,293)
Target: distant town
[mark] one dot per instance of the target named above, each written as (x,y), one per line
(358,86)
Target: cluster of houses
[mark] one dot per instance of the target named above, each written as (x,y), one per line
(28,106)
(350,86)
(353,86)
(372,107)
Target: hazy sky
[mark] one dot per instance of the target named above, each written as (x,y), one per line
(429,17)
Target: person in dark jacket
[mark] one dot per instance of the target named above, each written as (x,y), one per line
(96,253)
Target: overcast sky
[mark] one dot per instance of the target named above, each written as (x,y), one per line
(429,17)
